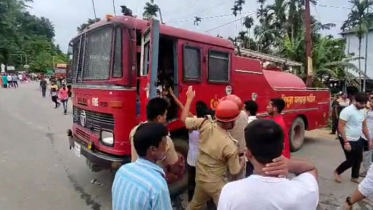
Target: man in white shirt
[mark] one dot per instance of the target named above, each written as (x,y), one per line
(264,190)
(10,81)
(351,126)
(251,108)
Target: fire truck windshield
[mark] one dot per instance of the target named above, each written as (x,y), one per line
(92,54)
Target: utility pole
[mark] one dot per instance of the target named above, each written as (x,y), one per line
(308,44)
(94,9)
(115,13)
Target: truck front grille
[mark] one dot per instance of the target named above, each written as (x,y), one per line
(93,121)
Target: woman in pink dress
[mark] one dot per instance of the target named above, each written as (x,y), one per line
(63,95)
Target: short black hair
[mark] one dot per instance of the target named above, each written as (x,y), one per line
(361,98)
(155,107)
(265,139)
(252,107)
(279,103)
(202,109)
(147,135)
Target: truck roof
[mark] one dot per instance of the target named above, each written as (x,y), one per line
(139,24)
(61,65)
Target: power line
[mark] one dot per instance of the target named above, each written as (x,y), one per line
(203,10)
(229,22)
(182,7)
(331,6)
(203,18)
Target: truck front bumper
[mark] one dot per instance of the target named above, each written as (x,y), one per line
(96,158)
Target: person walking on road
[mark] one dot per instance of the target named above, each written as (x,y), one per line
(367,154)
(54,94)
(141,185)
(43,87)
(10,81)
(274,109)
(265,190)
(352,125)
(5,81)
(63,95)
(15,81)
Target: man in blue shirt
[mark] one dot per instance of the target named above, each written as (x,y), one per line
(141,185)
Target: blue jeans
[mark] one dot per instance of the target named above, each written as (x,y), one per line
(64,103)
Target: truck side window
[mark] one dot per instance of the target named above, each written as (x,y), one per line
(192,63)
(117,70)
(218,66)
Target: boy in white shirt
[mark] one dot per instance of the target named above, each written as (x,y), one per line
(263,190)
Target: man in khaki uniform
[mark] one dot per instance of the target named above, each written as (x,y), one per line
(218,150)
(238,131)
(156,111)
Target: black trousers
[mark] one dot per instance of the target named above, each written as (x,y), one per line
(55,100)
(191,181)
(43,91)
(353,158)
(334,125)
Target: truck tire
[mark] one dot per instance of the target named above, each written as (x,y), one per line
(297,133)
(179,187)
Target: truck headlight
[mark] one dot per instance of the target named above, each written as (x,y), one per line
(107,138)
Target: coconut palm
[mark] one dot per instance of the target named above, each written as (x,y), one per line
(197,20)
(248,23)
(359,19)
(150,10)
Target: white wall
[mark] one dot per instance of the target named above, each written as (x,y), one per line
(352,46)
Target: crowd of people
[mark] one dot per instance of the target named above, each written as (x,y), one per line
(12,80)
(235,160)
(59,92)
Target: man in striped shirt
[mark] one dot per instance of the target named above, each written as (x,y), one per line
(141,185)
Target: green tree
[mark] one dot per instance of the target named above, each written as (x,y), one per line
(248,23)
(150,10)
(89,22)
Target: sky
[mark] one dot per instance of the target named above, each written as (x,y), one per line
(67,15)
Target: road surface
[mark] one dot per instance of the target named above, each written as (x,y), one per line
(38,171)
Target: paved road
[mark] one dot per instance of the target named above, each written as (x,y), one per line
(38,171)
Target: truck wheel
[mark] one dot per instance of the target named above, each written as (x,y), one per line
(178,183)
(297,133)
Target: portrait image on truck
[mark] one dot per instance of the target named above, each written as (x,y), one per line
(114,73)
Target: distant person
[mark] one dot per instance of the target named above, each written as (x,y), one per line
(54,94)
(43,87)
(5,81)
(10,82)
(266,190)
(15,81)
(352,125)
(141,185)
(63,95)
(20,78)
(335,114)
(274,109)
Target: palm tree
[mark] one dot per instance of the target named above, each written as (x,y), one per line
(235,10)
(359,20)
(150,10)
(248,23)
(197,20)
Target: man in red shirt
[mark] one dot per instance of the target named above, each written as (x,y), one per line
(274,109)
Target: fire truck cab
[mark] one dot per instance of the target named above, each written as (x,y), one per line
(118,64)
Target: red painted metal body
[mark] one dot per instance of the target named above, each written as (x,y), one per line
(247,78)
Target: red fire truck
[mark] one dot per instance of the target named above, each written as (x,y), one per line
(115,67)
